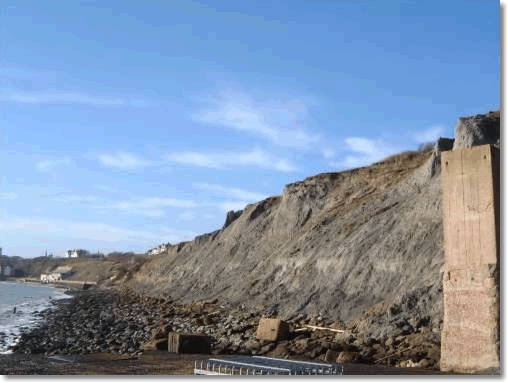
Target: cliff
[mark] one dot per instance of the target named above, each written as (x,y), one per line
(364,245)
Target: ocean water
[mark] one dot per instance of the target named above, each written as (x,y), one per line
(27,298)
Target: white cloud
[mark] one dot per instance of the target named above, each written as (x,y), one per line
(8,196)
(47,166)
(208,216)
(365,152)
(257,158)
(231,191)
(122,160)
(235,205)
(278,120)
(430,134)
(363,145)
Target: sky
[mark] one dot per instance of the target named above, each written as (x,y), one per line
(127,124)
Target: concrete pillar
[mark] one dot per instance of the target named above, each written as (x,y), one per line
(470,185)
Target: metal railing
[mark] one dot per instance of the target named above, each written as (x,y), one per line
(260,365)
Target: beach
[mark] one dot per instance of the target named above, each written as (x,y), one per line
(20,304)
(113,332)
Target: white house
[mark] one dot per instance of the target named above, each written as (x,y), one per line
(52,277)
(72,254)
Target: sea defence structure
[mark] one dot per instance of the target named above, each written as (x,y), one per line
(470,186)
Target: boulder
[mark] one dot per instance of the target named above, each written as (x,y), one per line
(331,356)
(347,357)
(280,351)
(477,130)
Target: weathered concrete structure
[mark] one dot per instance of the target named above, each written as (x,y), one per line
(470,336)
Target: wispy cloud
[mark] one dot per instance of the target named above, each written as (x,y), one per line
(76,198)
(71,98)
(154,202)
(234,205)
(8,196)
(279,120)
(149,207)
(430,134)
(122,160)
(365,151)
(230,191)
(47,166)
(71,229)
(256,158)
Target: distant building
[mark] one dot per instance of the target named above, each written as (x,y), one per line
(52,277)
(72,254)
(0,251)
(5,270)
(63,271)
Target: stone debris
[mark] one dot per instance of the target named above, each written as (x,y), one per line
(103,321)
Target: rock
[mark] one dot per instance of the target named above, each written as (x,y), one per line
(344,337)
(267,348)
(302,343)
(347,357)
(331,356)
(280,351)
(162,331)
(424,363)
(231,216)
(477,130)
(407,363)
(443,144)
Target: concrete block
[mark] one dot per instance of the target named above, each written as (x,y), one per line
(188,343)
(272,329)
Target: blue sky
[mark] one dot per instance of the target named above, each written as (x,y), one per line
(127,124)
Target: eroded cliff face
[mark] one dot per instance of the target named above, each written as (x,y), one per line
(366,241)
(334,244)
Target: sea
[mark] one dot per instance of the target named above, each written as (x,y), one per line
(28,299)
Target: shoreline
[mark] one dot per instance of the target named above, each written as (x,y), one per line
(126,327)
(26,311)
